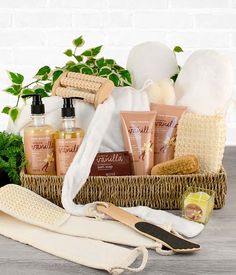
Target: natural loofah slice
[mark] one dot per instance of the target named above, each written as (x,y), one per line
(182,165)
(203,136)
(162,92)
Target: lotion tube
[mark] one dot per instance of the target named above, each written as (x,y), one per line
(138,133)
(167,118)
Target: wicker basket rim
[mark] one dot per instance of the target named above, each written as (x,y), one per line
(221,172)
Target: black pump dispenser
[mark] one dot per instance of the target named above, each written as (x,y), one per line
(37,106)
(68,109)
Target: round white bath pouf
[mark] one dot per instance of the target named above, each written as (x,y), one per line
(205,83)
(151,60)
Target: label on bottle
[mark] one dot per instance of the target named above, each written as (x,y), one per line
(65,152)
(40,155)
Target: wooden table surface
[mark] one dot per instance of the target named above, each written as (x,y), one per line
(218,240)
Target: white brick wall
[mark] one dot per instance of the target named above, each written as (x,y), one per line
(36,32)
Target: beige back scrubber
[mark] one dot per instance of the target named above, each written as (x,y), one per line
(29,207)
(28,218)
(89,88)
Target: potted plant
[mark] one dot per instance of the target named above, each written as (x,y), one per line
(12,158)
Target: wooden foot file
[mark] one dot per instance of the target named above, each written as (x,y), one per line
(169,240)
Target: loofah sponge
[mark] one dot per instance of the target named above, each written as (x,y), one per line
(182,165)
(203,136)
(162,92)
(29,207)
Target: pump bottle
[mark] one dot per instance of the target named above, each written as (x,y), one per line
(39,142)
(68,139)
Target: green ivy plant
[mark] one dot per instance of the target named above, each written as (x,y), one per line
(86,62)
(177,49)
(12,158)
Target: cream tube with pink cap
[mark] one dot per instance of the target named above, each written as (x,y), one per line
(138,133)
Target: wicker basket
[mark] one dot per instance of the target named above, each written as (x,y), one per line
(161,192)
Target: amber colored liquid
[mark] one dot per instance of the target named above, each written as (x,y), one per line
(39,150)
(67,143)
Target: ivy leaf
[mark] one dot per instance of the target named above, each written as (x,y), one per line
(77,68)
(27,91)
(56,75)
(79,42)
(110,62)
(118,68)
(6,110)
(86,70)
(14,112)
(41,91)
(96,51)
(48,87)
(95,71)
(70,63)
(104,71)
(87,53)
(126,76)
(100,62)
(90,62)
(177,49)
(114,78)
(92,52)
(174,77)
(44,77)
(42,71)
(79,58)
(16,78)
(14,89)
(68,52)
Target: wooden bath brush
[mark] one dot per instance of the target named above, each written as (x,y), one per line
(154,232)
(89,88)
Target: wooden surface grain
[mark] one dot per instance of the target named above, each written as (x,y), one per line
(218,240)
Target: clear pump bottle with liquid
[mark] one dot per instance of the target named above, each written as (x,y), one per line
(39,142)
(68,139)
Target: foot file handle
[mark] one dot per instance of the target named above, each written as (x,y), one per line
(168,239)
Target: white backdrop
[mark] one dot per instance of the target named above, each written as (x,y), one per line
(36,32)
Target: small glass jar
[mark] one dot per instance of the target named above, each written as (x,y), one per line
(198,204)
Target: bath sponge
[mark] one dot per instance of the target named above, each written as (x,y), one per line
(205,83)
(151,60)
(203,136)
(162,92)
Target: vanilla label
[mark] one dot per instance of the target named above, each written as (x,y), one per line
(65,153)
(40,154)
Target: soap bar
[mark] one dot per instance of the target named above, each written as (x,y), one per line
(112,164)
